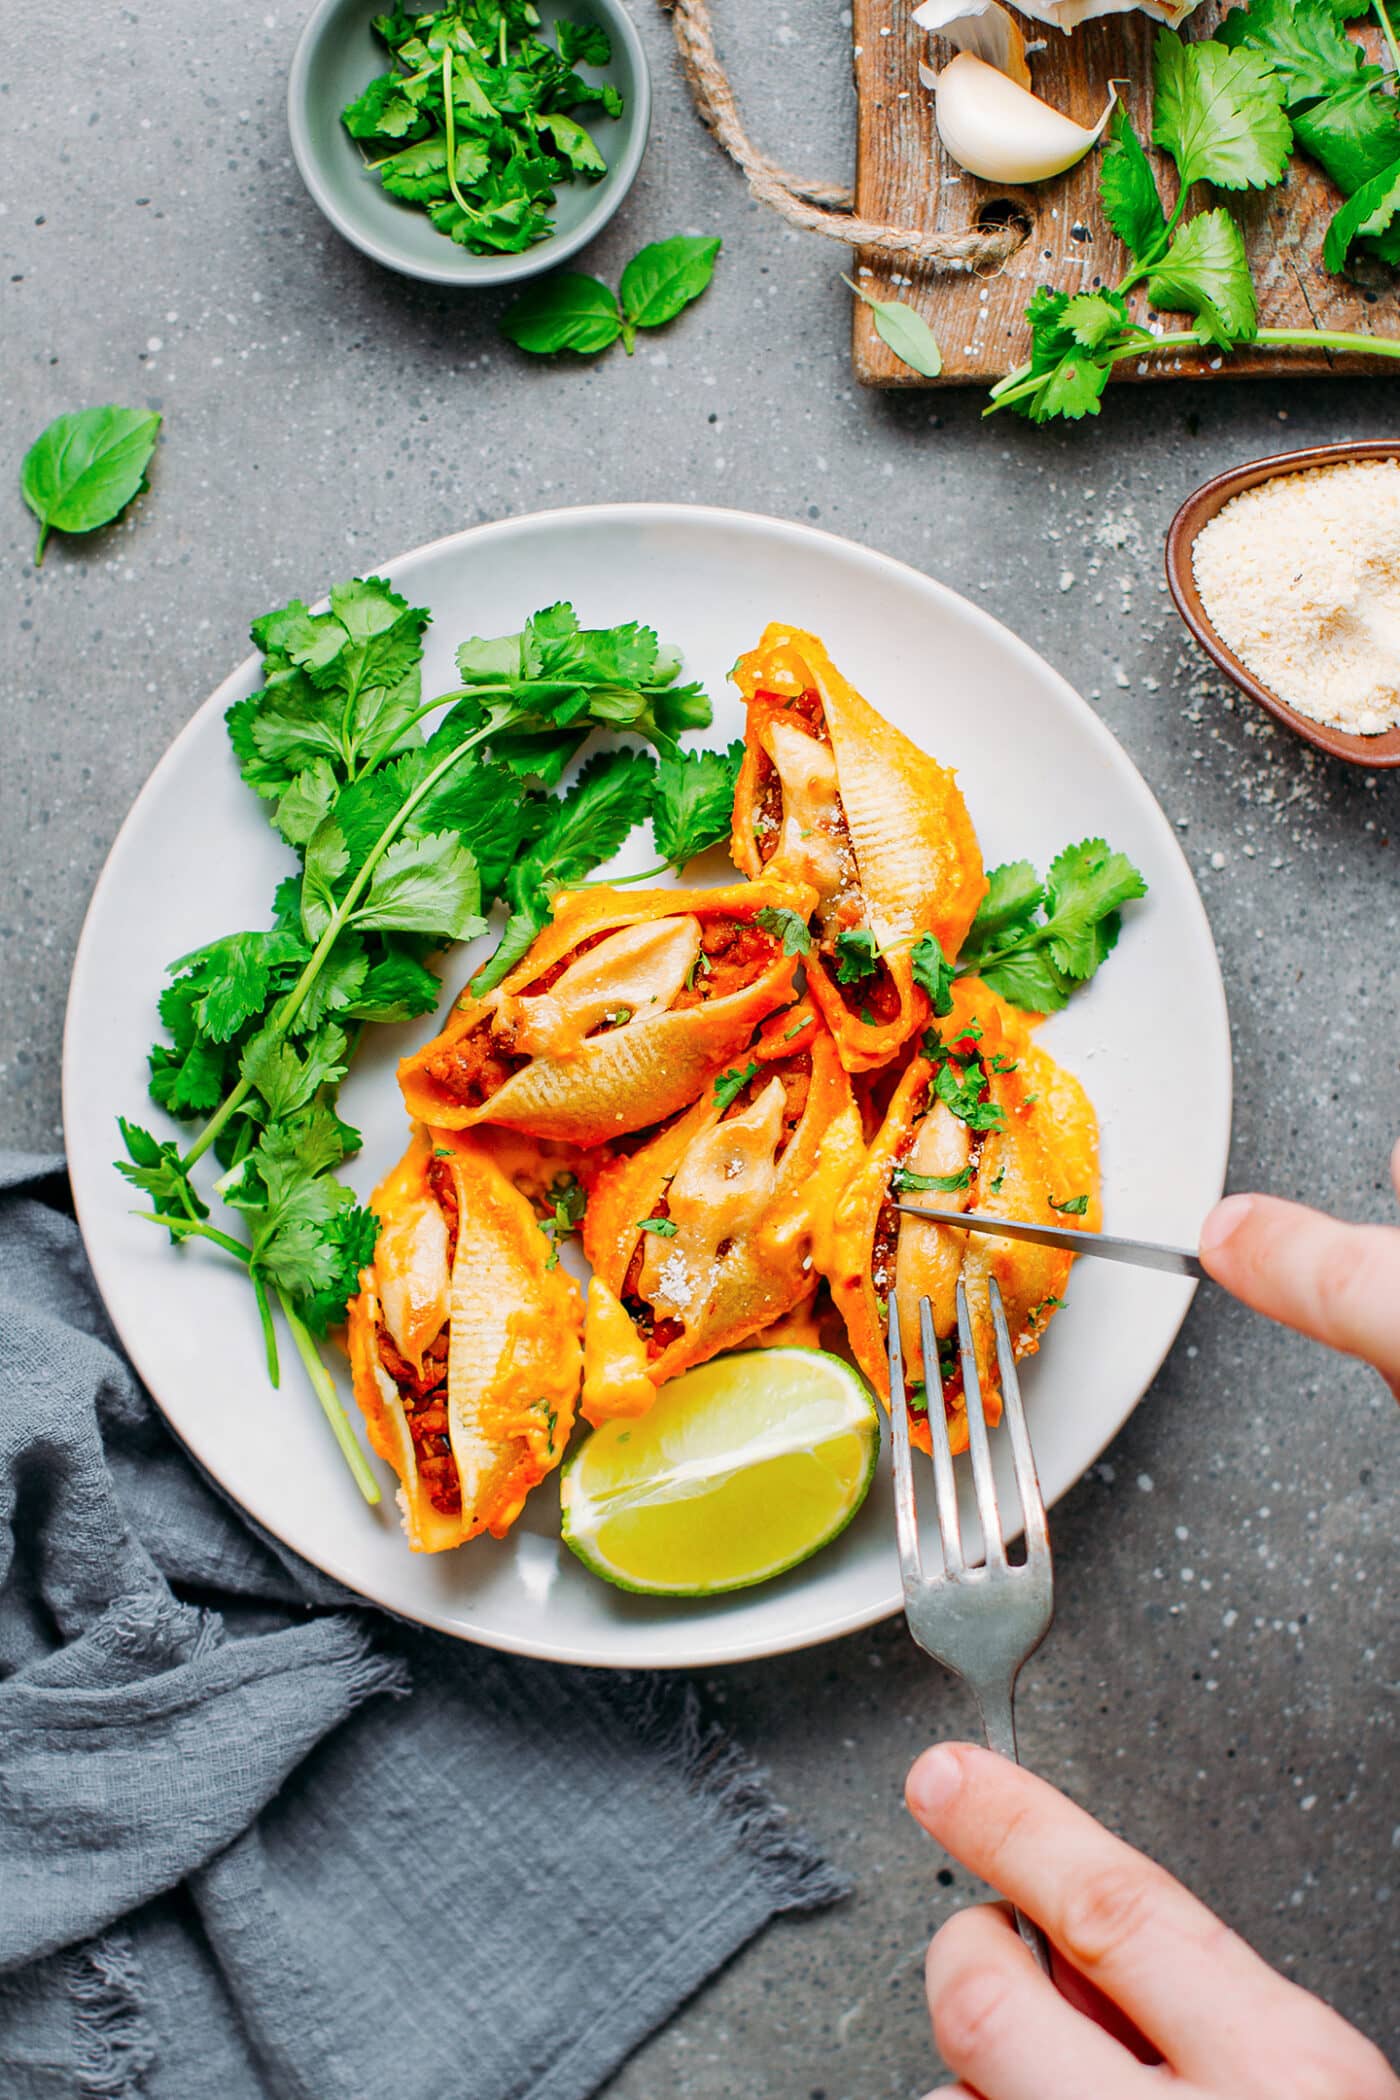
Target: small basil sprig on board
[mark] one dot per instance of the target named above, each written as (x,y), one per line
(85,468)
(902,330)
(573,312)
(404,841)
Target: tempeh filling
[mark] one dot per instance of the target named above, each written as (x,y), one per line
(733,952)
(806,819)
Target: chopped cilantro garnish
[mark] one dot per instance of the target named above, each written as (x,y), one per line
(1075,1207)
(904,1181)
(664,1228)
(785,926)
(856,955)
(731,1084)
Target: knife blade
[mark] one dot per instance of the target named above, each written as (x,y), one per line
(1143,1254)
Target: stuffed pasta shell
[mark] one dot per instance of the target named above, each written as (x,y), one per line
(622,1011)
(832,795)
(982,1119)
(464,1343)
(704,1235)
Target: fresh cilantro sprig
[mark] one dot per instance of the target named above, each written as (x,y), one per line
(473,120)
(1226,112)
(1344,111)
(571,311)
(406,835)
(1035,942)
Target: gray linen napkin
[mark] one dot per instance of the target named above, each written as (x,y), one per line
(228,1870)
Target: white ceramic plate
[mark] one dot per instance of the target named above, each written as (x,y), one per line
(1149,1037)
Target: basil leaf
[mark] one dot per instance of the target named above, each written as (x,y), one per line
(664,277)
(85,468)
(567,312)
(903,331)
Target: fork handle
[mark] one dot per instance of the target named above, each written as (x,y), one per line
(999,1726)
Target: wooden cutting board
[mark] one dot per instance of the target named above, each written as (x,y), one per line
(904,178)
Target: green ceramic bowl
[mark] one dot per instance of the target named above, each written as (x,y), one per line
(337,58)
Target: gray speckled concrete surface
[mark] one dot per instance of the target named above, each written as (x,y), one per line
(1216,1686)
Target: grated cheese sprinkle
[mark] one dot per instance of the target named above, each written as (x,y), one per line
(1300,575)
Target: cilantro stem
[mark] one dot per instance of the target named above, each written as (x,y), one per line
(620,882)
(196,1228)
(291,1006)
(1016,388)
(269,1332)
(450,119)
(324,1389)
(1388,33)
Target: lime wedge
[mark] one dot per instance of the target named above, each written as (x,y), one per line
(744,1467)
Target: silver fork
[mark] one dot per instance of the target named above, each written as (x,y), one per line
(981,1622)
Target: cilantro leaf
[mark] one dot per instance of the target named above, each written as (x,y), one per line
(785,926)
(1014,896)
(1369,212)
(904,1181)
(1072,1207)
(425,885)
(933,973)
(585,827)
(663,1228)
(84,469)
(306,801)
(1128,191)
(1084,889)
(398,988)
(229,979)
(731,1084)
(155,1169)
(1205,272)
(327,862)
(962,1093)
(1303,43)
(288,1082)
(856,955)
(693,806)
(1353,135)
(1219,113)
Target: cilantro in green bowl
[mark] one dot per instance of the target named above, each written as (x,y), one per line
(514,171)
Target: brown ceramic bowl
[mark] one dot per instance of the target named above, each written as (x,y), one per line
(1198,509)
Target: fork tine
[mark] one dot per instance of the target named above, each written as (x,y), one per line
(1023,1457)
(944,1481)
(983,1478)
(906,1522)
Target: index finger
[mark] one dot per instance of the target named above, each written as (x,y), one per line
(1192,1986)
(1338,1283)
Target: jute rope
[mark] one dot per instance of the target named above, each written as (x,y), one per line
(819,207)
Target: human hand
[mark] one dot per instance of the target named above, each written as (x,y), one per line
(1339,1283)
(1144,1955)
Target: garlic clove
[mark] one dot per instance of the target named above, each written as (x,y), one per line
(999,130)
(982,27)
(1068,14)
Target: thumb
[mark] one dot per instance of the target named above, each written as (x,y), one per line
(1338,1283)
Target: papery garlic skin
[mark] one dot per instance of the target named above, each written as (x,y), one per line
(981,27)
(997,129)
